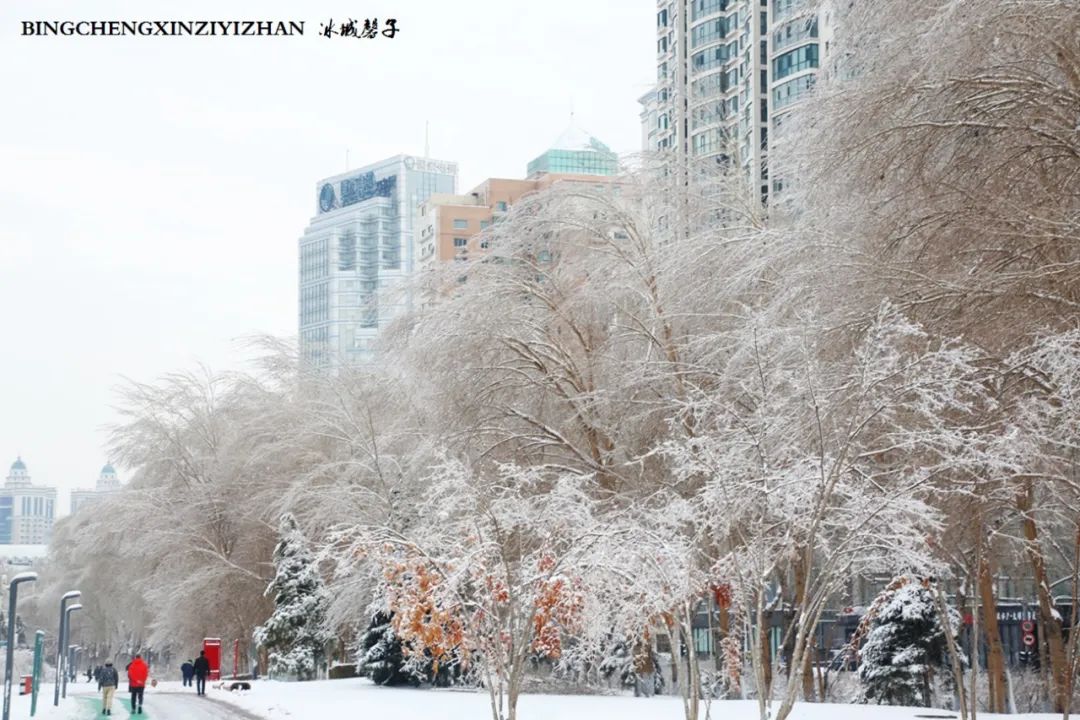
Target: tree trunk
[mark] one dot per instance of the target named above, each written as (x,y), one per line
(801,570)
(1055,646)
(730,664)
(995,655)
(766,656)
(954,651)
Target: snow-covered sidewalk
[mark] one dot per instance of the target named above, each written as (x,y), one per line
(341,698)
(78,705)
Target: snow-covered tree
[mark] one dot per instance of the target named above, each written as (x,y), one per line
(634,667)
(905,645)
(380,655)
(500,573)
(295,634)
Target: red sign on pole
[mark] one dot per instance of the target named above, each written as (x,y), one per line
(212,648)
(1028,626)
(1029,639)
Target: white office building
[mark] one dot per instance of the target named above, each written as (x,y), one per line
(107,482)
(357,247)
(27,511)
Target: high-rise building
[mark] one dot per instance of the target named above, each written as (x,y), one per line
(725,70)
(27,511)
(358,246)
(107,482)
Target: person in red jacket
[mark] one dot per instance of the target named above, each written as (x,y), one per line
(137,673)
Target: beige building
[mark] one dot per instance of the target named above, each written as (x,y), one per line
(448,228)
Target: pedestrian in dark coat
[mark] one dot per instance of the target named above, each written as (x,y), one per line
(108,680)
(202,669)
(187,671)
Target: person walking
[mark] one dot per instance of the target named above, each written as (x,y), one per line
(137,674)
(108,679)
(187,671)
(202,669)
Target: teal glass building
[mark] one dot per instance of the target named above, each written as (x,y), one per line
(576,152)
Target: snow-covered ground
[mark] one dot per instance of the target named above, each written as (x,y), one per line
(327,700)
(359,698)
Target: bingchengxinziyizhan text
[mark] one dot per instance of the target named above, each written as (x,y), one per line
(367,28)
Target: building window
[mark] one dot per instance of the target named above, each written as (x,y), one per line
(791,91)
(500,206)
(804,58)
(460,242)
(709,59)
(485,244)
(701,8)
(485,224)
(794,32)
(708,32)
(460,224)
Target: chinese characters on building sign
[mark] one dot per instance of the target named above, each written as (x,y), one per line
(432,166)
(368,28)
(357,189)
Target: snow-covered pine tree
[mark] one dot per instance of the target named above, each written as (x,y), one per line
(294,634)
(904,645)
(380,654)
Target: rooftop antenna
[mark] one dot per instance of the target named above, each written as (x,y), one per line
(427,147)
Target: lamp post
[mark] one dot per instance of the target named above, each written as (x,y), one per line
(61,640)
(12,593)
(67,633)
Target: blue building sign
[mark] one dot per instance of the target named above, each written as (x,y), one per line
(357,189)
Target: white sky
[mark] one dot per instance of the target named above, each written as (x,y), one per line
(152,190)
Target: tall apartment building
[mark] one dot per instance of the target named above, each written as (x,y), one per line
(27,511)
(726,69)
(358,245)
(449,226)
(107,482)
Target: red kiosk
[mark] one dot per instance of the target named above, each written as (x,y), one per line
(212,648)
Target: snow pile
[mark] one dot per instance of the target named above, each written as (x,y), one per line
(345,698)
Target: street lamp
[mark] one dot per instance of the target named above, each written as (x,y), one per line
(73,660)
(67,633)
(15,581)
(60,640)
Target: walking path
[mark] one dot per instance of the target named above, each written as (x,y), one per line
(157,705)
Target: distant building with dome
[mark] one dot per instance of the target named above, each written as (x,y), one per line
(27,511)
(107,482)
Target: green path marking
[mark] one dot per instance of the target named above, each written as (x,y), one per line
(91,707)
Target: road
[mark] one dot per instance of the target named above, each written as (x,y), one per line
(163,705)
